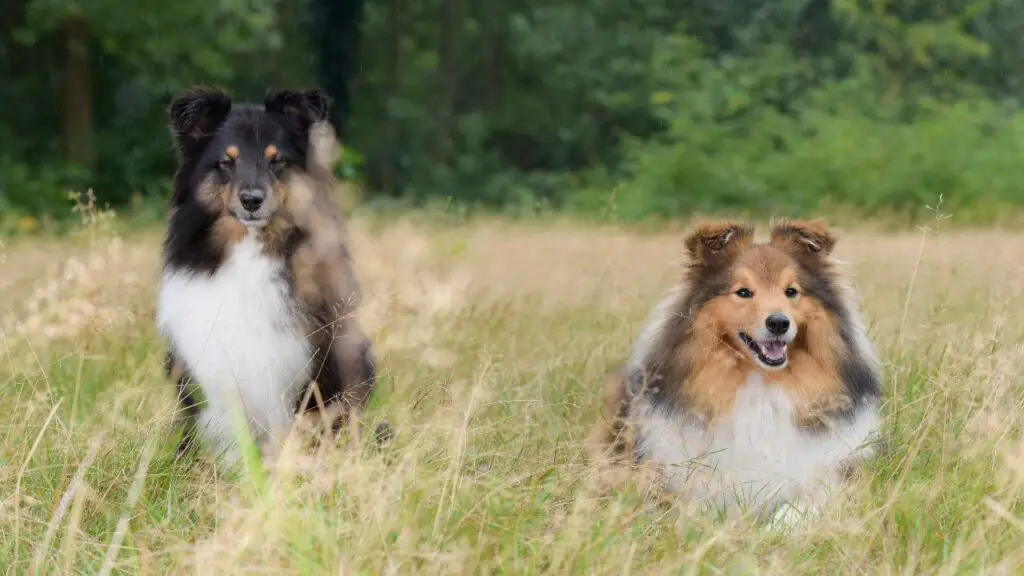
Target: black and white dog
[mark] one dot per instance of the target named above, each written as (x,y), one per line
(258,291)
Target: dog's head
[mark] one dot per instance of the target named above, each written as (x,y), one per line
(238,158)
(763,299)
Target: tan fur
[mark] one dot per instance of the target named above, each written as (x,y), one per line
(326,148)
(176,371)
(717,363)
(281,193)
(321,268)
(720,362)
(304,277)
(274,236)
(225,197)
(717,370)
(717,243)
(232,152)
(310,205)
(804,235)
(229,230)
(612,429)
(323,275)
(270,152)
(213,196)
(611,439)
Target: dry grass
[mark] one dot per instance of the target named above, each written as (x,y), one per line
(494,338)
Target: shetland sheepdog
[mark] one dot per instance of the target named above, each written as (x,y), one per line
(258,292)
(752,385)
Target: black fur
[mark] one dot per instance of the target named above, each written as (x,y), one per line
(203,124)
(705,285)
(334,356)
(187,245)
(861,381)
(195,117)
(186,400)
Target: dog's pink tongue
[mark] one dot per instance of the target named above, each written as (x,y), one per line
(774,350)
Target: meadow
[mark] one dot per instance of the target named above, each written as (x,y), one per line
(493,338)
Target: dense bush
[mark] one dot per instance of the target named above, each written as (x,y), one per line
(966,153)
(727,146)
(606,108)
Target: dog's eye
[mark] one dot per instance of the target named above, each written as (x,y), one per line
(744,293)
(277,164)
(791,292)
(225,164)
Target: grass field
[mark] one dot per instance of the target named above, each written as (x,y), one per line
(493,339)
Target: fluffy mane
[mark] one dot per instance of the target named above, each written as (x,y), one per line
(680,364)
(258,296)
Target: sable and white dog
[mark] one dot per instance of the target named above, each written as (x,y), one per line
(258,292)
(752,384)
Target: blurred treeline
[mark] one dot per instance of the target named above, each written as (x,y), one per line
(624,107)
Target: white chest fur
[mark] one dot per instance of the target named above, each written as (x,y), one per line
(237,333)
(757,456)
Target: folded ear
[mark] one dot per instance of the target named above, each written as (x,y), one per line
(307,107)
(196,114)
(718,243)
(804,237)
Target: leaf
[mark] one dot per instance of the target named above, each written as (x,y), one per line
(661,98)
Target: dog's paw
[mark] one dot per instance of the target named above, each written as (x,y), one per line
(383,434)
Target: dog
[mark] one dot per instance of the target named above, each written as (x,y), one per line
(752,385)
(258,293)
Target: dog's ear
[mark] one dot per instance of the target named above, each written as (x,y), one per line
(804,238)
(196,114)
(718,243)
(307,107)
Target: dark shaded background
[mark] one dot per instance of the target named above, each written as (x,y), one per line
(603,107)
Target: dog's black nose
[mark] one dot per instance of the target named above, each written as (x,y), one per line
(777,324)
(251,199)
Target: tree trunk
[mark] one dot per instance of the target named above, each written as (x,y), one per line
(78,133)
(390,163)
(493,36)
(449,59)
(337,28)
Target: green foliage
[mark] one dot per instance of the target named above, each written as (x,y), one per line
(351,165)
(165,43)
(137,56)
(612,109)
(729,147)
(25,191)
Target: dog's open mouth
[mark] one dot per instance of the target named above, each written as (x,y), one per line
(771,353)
